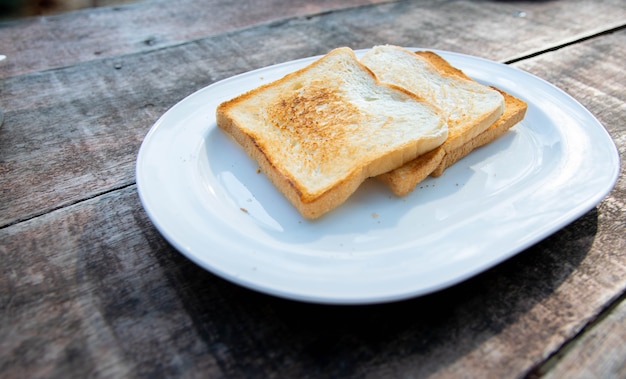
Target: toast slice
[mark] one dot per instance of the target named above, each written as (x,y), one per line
(319,132)
(471,109)
(404,179)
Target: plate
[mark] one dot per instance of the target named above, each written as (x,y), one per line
(206,197)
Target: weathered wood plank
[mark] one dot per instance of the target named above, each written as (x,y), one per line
(62,40)
(73,133)
(498,30)
(596,81)
(95,301)
(599,353)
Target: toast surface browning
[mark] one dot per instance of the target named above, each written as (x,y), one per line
(319,132)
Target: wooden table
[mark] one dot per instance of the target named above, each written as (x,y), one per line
(89,288)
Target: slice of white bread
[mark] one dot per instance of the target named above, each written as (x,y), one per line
(471,109)
(320,131)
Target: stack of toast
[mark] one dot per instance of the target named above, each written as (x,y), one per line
(395,115)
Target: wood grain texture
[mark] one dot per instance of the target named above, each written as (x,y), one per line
(496,30)
(62,40)
(515,28)
(74,132)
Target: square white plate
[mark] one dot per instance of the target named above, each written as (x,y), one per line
(207,199)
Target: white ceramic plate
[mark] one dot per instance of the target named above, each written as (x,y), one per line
(205,196)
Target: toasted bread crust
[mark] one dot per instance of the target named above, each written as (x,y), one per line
(309,209)
(404,179)
(457,137)
(514,112)
(441,64)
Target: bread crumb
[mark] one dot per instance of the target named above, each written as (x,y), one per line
(243,210)
(374,215)
(258,170)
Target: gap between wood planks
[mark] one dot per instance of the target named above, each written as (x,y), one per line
(68,204)
(553,360)
(572,41)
